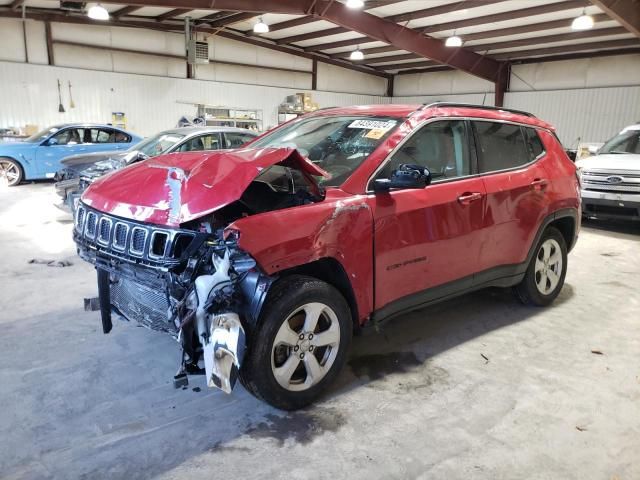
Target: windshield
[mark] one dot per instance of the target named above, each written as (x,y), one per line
(157,145)
(42,135)
(338,145)
(626,142)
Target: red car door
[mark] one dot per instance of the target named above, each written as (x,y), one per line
(429,237)
(510,160)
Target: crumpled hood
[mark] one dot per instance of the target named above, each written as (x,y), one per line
(611,161)
(178,187)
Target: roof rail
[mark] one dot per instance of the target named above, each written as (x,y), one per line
(469,105)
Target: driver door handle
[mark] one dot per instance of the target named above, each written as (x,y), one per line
(469,197)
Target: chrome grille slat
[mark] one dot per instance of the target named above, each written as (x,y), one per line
(138,240)
(90,225)
(120,235)
(104,230)
(626,181)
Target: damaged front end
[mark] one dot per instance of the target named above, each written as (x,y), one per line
(187,276)
(196,286)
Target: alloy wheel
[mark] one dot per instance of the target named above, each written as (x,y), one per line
(305,347)
(9,173)
(548,268)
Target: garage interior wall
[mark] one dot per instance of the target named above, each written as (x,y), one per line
(153,91)
(590,99)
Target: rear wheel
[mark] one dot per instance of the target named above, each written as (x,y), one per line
(546,272)
(10,172)
(300,344)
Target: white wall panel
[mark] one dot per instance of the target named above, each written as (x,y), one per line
(593,114)
(151,103)
(440,83)
(12,40)
(228,50)
(332,78)
(36,42)
(252,75)
(582,73)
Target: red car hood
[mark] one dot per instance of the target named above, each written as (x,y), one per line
(179,187)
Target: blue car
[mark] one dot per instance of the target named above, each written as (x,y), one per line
(39,155)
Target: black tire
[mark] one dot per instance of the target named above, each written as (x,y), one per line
(10,166)
(285,298)
(528,291)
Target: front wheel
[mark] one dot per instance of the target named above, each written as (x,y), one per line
(546,271)
(10,172)
(300,344)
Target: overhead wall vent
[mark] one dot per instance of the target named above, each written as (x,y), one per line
(197,52)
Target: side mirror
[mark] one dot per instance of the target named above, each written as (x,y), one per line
(407,176)
(51,142)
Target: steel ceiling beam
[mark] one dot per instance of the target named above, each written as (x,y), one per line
(563,37)
(486,19)
(124,11)
(504,16)
(406,39)
(398,66)
(625,12)
(172,13)
(576,56)
(294,7)
(501,32)
(231,19)
(595,46)
(399,18)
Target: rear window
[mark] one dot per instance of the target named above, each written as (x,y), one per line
(501,146)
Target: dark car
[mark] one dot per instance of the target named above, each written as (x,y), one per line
(79,171)
(263,260)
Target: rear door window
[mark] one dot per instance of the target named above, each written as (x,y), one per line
(500,146)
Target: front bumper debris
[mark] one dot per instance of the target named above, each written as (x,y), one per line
(224,352)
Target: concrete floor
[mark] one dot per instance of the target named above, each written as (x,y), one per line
(480,387)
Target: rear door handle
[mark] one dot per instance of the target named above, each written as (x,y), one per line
(469,197)
(540,184)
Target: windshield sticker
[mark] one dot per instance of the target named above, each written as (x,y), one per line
(376,133)
(373,124)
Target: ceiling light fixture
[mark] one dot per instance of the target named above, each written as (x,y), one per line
(453,41)
(98,12)
(355,4)
(357,54)
(261,27)
(583,22)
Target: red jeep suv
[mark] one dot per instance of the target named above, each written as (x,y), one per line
(262,261)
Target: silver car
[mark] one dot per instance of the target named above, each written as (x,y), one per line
(79,171)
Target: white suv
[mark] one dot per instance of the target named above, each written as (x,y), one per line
(611,179)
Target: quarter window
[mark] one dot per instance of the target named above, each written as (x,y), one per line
(440,146)
(501,146)
(534,144)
